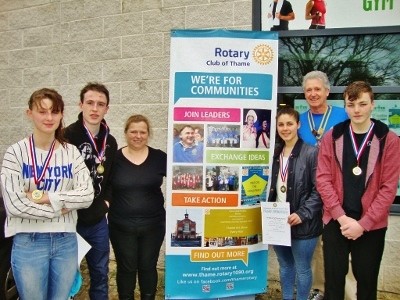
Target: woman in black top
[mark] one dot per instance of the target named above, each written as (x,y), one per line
(293,181)
(137,214)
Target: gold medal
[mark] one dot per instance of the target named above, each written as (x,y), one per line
(357,171)
(100,169)
(320,131)
(359,150)
(37,195)
(283,189)
(101,152)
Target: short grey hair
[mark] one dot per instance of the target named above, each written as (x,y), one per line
(317,75)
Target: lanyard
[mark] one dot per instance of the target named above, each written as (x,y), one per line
(358,151)
(101,153)
(283,169)
(318,133)
(37,174)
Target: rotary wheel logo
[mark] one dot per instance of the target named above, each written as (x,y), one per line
(263,54)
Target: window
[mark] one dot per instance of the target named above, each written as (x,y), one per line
(345,55)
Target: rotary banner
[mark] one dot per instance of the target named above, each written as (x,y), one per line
(222,109)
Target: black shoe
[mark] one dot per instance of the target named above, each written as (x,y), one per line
(147,296)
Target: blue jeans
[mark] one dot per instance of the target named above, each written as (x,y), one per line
(97,258)
(44,264)
(295,267)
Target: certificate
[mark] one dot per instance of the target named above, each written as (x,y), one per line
(83,248)
(275,226)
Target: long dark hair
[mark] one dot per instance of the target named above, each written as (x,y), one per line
(58,107)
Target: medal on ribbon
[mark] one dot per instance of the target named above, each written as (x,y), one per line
(283,169)
(37,195)
(357,171)
(100,169)
(102,151)
(38,174)
(318,133)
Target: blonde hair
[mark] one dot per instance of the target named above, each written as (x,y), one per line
(137,119)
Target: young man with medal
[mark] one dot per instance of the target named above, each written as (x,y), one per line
(293,181)
(315,122)
(357,177)
(91,135)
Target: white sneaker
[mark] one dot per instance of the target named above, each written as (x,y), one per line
(316,295)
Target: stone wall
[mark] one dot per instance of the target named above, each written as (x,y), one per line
(124,44)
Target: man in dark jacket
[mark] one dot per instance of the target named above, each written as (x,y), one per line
(90,134)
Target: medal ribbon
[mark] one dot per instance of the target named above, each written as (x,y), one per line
(101,153)
(283,169)
(358,151)
(323,124)
(38,177)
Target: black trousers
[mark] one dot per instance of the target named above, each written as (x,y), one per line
(136,253)
(366,255)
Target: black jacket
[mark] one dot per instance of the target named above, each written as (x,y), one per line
(301,192)
(76,135)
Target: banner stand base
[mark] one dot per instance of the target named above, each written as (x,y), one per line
(245,297)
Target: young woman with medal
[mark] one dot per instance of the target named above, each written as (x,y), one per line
(44,181)
(293,181)
(357,177)
(91,135)
(137,214)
